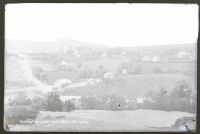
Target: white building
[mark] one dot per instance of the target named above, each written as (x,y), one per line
(21,55)
(146,58)
(183,54)
(155,59)
(93,81)
(63,63)
(140,100)
(61,83)
(66,98)
(104,55)
(108,76)
(124,71)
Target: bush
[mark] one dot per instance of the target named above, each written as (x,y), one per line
(52,102)
(20,108)
(20,99)
(15,114)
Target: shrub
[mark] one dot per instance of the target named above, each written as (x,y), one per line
(20,99)
(20,108)
(15,114)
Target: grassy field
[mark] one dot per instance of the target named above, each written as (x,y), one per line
(145,68)
(98,120)
(130,84)
(135,85)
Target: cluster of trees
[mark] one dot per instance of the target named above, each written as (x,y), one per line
(180,98)
(23,108)
(52,102)
(107,102)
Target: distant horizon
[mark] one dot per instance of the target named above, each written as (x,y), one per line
(96,44)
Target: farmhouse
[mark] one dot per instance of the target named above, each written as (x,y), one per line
(146,58)
(140,100)
(108,76)
(124,71)
(123,53)
(93,81)
(63,63)
(66,98)
(183,54)
(62,83)
(21,55)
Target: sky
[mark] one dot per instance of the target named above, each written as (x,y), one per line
(110,24)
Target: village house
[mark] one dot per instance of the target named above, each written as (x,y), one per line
(62,83)
(183,54)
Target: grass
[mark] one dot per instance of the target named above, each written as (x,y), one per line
(99,120)
(135,85)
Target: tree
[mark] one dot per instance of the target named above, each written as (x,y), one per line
(181,90)
(162,100)
(181,96)
(52,102)
(68,106)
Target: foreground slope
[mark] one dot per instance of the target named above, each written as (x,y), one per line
(99,120)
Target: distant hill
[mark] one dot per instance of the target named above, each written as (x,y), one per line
(163,47)
(61,45)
